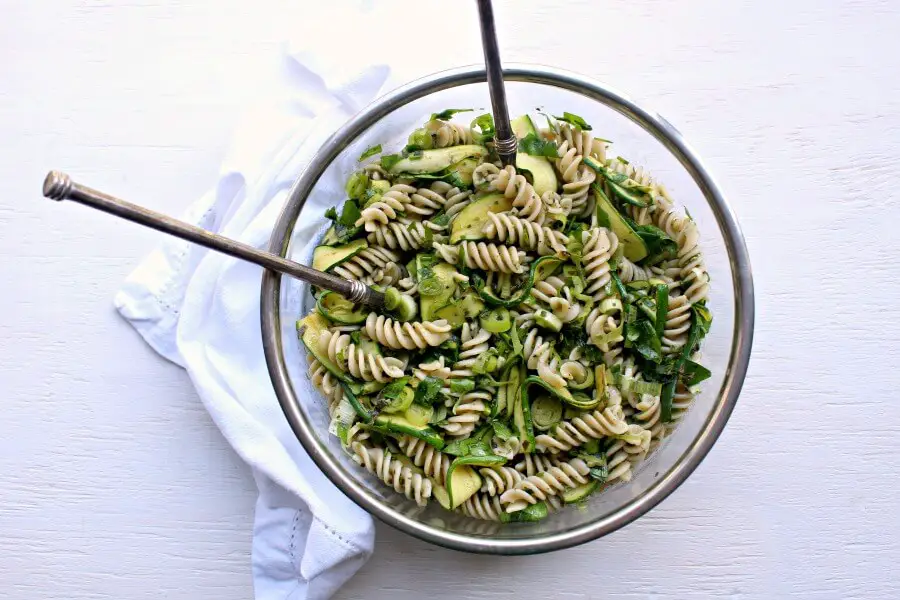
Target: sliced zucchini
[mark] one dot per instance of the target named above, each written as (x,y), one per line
(331,237)
(462,483)
(508,394)
(418,415)
(580,492)
(607,215)
(380,186)
(522,413)
(583,385)
(471,220)
(356,403)
(546,411)
(460,174)
(453,313)
(472,305)
(440,286)
(439,159)
(397,424)
(546,319)
(338,309)
(328,257)
(310,328)
(543,177)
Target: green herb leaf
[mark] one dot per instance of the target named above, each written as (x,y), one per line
(535,146)
(372,151)
(447,114)
(659,245)
(574,120)
(662,309)
(461,386)
(694,373)
(485,123)
(349,214)
(392,390)
(502,431)
(389,160)
(331,213)
(427,391)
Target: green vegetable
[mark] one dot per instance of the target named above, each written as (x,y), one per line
(540,270)
(357,184)
(695,373)
(546,411)
(579,493)
(418,415)
(535,146)
(401,425)
(371,151)
(662,308)
(497,320)
(431,286)
(344,228)
(427,391)
(400,402)
(338,309)
(659,245)
(355,402)
(461,484)
(447,114)
(574,120)
(534,512)
(701,319)
(388,161)
(547,320)
(461,386)
(484,123)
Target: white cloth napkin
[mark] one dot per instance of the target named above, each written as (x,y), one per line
(200,310)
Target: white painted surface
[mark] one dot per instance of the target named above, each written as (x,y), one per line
(114,482)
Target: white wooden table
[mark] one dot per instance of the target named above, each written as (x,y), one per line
(115,483)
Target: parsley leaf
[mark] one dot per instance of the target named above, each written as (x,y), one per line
(486,124)
(535,146)
(574,120)
(447,114)
(372,151)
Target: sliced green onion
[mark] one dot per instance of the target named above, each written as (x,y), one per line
(497,320)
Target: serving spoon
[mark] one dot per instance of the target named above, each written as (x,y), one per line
(59,186)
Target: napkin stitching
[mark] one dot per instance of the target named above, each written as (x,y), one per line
(348,544)
(294,522)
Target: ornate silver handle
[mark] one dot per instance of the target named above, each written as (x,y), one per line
(59,186)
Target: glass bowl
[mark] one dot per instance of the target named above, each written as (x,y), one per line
(641,136)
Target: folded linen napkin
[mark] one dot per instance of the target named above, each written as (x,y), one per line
(200,310)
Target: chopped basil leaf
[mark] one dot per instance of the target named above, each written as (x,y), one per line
(372,151)
(535,146)
(447,114)
(574,120)
(695,373)
(392,390)
(427,391)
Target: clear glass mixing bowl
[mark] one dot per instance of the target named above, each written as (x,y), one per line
(642,137)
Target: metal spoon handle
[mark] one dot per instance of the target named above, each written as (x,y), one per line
(504,139)
(59,186)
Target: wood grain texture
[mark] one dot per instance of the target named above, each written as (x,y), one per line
(115,483)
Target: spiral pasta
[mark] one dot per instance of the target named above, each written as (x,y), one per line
(480,255)
(406,336)
(496,480)
(433,462)
(403,234)
(528,235)
(539,292)
(539,356)
(599,245)
(391,204)
(366,263)
(525,200)
(467,412)
(367,366)
(446,133)
(540,486)
(590,426)
(397,475)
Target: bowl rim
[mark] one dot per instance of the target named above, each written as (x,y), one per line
(738,256)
